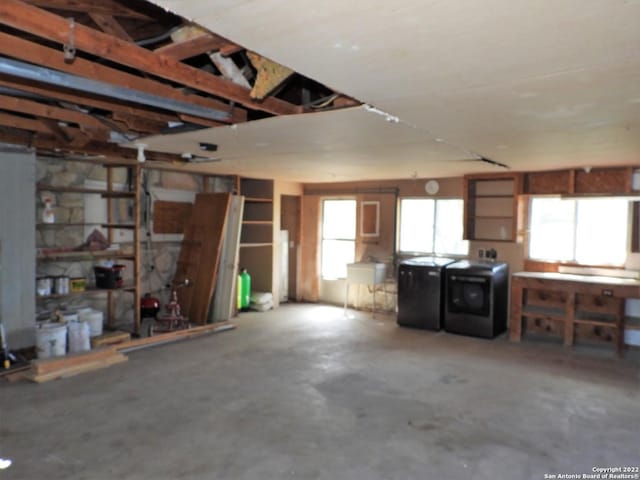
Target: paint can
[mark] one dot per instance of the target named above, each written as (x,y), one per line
(43,286)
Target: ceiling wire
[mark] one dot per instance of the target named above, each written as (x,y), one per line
(393,119)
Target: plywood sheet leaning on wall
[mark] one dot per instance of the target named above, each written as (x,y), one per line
(200,254)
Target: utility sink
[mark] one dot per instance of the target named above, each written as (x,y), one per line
(368,273)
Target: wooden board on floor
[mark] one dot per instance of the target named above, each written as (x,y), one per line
(200,254)
(47,365)
(72,370)
(137,343)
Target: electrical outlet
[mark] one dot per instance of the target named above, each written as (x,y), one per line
(607,293)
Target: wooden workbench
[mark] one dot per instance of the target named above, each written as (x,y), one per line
(560,303)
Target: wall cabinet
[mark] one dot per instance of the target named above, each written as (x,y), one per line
(62,257)
(490,212)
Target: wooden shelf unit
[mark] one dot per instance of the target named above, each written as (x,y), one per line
(132,257)
(257,234)
(491,207)
(570,306)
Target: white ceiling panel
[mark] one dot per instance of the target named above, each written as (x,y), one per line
(530,84)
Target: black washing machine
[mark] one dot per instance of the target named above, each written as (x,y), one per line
(421,292)
(477,298)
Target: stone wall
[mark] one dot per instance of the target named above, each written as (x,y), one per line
(158,259)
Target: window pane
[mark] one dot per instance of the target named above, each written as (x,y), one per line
(601,233)
(335,256)
(449,226)
(339,219)
(551,229)
(416,225)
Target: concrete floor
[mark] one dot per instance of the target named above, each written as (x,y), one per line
(305,393)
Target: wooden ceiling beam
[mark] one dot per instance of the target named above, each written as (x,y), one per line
(19,15)
(52,58)
(83,100)
(47,143)
(36,109)
(15,121)
(104,7)
(110,25)
(44,126)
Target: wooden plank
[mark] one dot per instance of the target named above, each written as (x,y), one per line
(224,299)
(200,254)
(49,57)
(47,365)
(71,371)
(22,16)
(110,338)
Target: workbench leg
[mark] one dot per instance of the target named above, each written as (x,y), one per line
(516,320)
(620,328)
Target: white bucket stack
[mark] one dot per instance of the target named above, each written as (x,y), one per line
(79,340)
(51,340)
(73,333)
(94,319)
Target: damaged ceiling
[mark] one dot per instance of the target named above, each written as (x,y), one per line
(443,84)
(85,76)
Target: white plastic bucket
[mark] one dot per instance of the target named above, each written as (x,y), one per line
(79,337)
(95,320)
(69,317)
(51,340)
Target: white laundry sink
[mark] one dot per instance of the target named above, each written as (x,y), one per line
(367,273)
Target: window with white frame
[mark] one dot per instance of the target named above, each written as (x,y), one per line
(338,237)
(590,231)
(432,226)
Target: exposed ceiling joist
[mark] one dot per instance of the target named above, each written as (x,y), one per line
(90,101)
(104,7)
(48,111)
(51,144)
(108,24)
(36,21)
(37,54)
(87,85)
